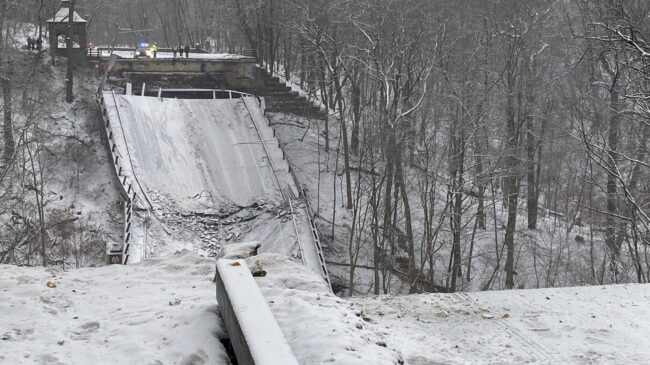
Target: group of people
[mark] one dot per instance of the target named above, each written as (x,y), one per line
(178,48)
(34,43)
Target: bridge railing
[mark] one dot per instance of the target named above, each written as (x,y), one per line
(94,54)
(118,253)
(303,196)
(232,94)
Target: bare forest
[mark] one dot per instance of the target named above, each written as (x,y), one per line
(473,144)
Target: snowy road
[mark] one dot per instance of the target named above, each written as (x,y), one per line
(587,325)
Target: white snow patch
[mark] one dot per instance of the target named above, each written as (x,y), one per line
(63,15)
(241,250)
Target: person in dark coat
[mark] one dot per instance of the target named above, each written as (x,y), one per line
(187,51)
(39,44)
(30,43)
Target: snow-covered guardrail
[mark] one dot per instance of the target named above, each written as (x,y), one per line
(287,195)
(254,334)
(118,253)
(315,235)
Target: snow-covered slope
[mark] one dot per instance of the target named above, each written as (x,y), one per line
(585,325)
(162,311)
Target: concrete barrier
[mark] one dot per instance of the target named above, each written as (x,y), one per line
(255,336)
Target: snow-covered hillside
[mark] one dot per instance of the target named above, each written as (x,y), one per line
(61,175)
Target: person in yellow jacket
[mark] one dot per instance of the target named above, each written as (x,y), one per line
(154,49)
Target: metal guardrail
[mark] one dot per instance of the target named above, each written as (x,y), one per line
(213,91)
(94,54)
(266,151)
(119,253)
(315,235)
(303,196)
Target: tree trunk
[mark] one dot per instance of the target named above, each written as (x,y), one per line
(408,227)
(388,222)
(510,182)
(355,96)
(531,193)
(344,132)
(7,127)
(69,97)
(611,237)
(456,162)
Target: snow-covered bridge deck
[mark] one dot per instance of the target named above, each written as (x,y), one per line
(186,148)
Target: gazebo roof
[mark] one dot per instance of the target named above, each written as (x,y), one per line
(62,16)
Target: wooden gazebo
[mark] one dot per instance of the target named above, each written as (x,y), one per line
(59,29)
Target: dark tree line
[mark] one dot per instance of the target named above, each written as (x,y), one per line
(478,116)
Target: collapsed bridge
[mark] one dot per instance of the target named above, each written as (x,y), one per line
(186,157)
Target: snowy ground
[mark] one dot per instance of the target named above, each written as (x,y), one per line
(586,325)
(162,311)
(320,327)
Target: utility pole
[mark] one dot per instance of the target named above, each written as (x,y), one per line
(69,76)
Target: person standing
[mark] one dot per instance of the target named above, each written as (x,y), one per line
(30,43)
(174,50)
(187,51)
(154,49)
(39,44)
